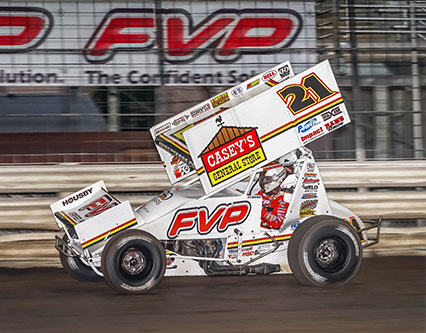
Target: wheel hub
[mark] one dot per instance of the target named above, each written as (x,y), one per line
(133,262)
(326,252)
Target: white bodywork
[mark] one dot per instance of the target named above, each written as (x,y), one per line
(231,216)
(228,149)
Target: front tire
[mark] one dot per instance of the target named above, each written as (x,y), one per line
(324,250)
(133,262)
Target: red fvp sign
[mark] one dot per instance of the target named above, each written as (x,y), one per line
(226,34)
(222,217)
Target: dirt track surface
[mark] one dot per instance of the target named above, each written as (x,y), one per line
(388,295)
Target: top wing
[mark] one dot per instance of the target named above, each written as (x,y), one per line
(168,135)
(251,134)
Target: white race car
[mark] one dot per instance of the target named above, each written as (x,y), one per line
(253,202)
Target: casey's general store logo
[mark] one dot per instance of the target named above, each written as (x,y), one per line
(226,34)
(230,152)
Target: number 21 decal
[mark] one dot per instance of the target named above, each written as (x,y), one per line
(299,97)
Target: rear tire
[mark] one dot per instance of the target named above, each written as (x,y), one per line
(133,262)
(77,269)
(324,250)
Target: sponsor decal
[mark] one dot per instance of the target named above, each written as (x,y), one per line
(336,123)
(180,120)
(225,33)
(99,205)
(309,196)
(163,128)
(313,135)
(222,217)
(218,100)
(308,207)
(180,168)
(269,75)
(259,241)
(284,71)
(163,196)
(310,167)
(253,84)
(263,247)
(331,113)
(237,91)
(310,188)
(310,180)
(354,223)
(310,174)
(76,197)
(306,126)
(156,201)
(219,121)
(232,151)
(248,253)
(282,129)
(166,195)
(200,110)
(295,225)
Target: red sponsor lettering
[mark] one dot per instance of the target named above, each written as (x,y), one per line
(334,123)
(27,28)
(312,134)
(121,30)
(240,39)
(233,215)
(181,45)
(309,180)
(31,28)
(227,33)
(270,75)
(206,223)
(113,35)
(222,217)
(183,220)
(231,150)
(98,206)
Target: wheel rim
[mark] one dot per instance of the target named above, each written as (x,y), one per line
(331,254)
(133,262)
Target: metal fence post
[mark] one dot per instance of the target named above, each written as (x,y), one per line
(382,125)
(160,92)
(415,84)
(356,93)
(113,109)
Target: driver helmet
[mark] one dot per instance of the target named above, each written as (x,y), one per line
(272,176)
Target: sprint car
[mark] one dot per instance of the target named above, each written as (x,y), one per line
(211,224)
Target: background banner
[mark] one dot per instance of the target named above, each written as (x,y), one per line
(88,43)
